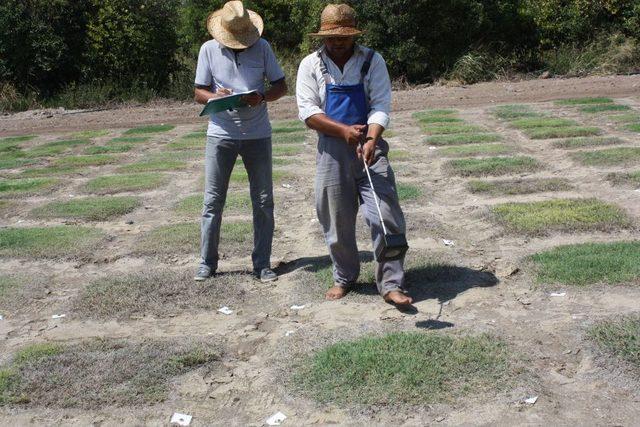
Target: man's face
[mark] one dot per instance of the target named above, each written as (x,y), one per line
(339,46)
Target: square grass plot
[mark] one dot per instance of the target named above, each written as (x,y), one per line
(584,101)
(289,126)
(609,156)
(149,129)
(601,108)
(620,338)
(26,186)
(88,208)
(464,138)
(129,182)
(626,179)
(593,141)
(57,242)
(513,112)
(565,215)
(518,186)
(475,150)
(492,166)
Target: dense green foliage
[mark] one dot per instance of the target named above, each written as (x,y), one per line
(78,54)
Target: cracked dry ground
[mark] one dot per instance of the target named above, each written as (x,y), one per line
(264,336)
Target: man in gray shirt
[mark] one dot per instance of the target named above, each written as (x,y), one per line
(238,60)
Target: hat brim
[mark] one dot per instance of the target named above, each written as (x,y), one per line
(338,32)
(235,40)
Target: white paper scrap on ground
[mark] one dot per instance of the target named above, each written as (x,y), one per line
(448,242)
(276,419)
(181,419)
(531,400)
(286,334)
(298,307)
(1,318)
(58,316)
(433,148)
(225,310)
(557,294)
(286,185)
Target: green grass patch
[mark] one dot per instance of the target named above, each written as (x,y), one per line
(631,179)
(97,373)
(408,192)
(459,139)
(399,155)
(26,186)
(492,166)
(609,156)
(592,141)
(619,337)
(54,148)
(518,186)
(129,140)
(120,183)
(589,264)
(542,122)
(448,129)
(604,107)
(93,160)
(288,126)
(158,292)
(475,150)
(436,116)
(192,205)
(185,238)
(560,215)
(151,165)
(289,138)
(635,127)
(149,129)
(625,118)
(562,132)
(405,368)
(52,170)
(511,112)
(287,150)
(17,139)
(12,162)
(104,149)
(49,242)
(584,101)
(88,208)
(187,144)
(88,134)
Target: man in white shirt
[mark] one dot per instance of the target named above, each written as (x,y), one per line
(344,93)
(238,60)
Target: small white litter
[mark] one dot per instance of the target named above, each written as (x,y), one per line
(557,294)
(225,310)
(433,148)
(448,242)
(531,400)
(58,316)
(181,419)
(286,185)
(276,419)
(286,334)
(1,318)
(298,307)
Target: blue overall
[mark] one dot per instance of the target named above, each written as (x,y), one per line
(342,186)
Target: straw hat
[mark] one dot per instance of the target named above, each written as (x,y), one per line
(234,26)
(337,20)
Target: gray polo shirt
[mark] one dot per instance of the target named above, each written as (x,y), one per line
(219,66)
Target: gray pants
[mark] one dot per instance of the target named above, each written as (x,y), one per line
(341,187)
(220,157)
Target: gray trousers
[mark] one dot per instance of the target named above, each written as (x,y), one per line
(220,157)
(341,187)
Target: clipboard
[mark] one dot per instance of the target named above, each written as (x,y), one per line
(225,103)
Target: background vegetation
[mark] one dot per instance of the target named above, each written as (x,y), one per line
(82,54)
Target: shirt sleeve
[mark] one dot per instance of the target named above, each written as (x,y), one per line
(203,69)
(272,69)
(379,92)
(307,91)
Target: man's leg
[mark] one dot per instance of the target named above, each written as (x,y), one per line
(337,210)
(389,274)
(220,157)
(256,156)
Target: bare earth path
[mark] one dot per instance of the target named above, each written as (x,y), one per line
(546,334)
(436,96)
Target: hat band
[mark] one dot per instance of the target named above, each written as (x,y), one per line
(328,27)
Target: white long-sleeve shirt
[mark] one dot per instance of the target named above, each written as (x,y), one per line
(310,85)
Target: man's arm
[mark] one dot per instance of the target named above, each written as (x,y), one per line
(379,86)
(276,91)
(202,94)
(323,124)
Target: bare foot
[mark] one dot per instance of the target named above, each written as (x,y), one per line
(335,293)
(397,298)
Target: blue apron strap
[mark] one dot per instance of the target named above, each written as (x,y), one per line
(367,64)
(323,69)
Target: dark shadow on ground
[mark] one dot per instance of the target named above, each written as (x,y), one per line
(433,324)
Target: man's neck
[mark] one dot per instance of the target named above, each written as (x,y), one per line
(341,60)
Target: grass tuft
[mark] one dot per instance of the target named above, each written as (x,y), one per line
(609,156)
(458,139)
(537,218)
(561,132)
(408,192)
(149,129)
(129,139)
(492,166)
(587,142)
(192,205)
(604,107)
(475,150)
(153,165)
(589,264)
(631,179)
(448,129)
(619,337)
(405,368)
(49,242)
(119,183)
(287,127)
(511,112)
(89,208)
(105,149)
(26,186)
(584,101)
(542,122)
(518,186)
(88,134)
(635,127)
(93,160)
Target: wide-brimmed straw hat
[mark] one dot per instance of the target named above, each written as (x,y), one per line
(337,20)
(234,26)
